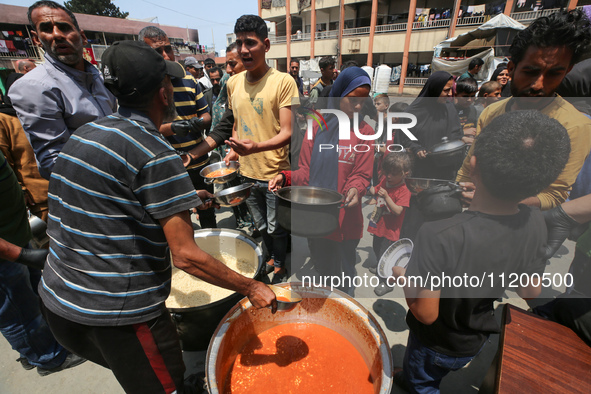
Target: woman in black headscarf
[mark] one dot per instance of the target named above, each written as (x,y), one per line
(436,118)
(501,75)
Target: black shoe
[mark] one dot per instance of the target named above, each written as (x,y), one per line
(25,363)
(195,384)
(71,361)
(269,268)
(382,289)
(280,278)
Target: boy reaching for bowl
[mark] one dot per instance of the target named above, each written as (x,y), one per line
(516,156)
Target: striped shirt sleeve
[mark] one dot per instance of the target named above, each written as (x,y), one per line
(166,188)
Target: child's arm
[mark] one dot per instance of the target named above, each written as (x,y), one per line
(530,292)
(394,209)
(423,303)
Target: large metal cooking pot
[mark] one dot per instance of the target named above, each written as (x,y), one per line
(331,309)
(440,202)
(417,185)
(448,153)
(196,325)
(308,211)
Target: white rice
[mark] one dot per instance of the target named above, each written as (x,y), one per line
(189,291)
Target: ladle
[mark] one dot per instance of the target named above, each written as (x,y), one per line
(286,299)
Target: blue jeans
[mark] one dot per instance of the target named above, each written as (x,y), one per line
(21,322)
(262,205)
(424,368)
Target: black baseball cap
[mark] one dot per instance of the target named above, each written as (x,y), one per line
(133,68)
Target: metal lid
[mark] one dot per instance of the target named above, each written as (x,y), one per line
(447,146)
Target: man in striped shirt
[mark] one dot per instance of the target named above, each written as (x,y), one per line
(118,196)
(187,130)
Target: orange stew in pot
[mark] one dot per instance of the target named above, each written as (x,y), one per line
(299,358)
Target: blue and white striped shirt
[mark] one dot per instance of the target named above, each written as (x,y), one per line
(112,182)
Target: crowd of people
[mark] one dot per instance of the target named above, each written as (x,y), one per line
(111,160)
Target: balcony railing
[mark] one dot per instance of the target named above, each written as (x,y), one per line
(391,28)
(31,53)
(431,24)
(532,15)
(278,40)
(472,20)
(356,31)
(415,81)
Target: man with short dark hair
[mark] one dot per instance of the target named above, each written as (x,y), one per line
(187,130)
(217,135)
(119,196)
(541,56)
(326,65)
(260,104)
(204,81)
(23,66)
(473,68)
(215,76)
(62,94)
(294,71)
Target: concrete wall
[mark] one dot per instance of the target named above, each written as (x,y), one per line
(426,39)
(301,49)
(389,42)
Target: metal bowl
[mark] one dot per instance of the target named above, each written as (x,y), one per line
(397,255)
(234,165)
(417,185)
(233,196)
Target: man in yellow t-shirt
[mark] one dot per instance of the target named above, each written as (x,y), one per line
(261,100)
(540,59)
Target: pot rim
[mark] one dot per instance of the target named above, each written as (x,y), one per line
(447,152)
(279,193)
(237,234)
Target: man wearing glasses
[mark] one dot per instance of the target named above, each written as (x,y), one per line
(193,118)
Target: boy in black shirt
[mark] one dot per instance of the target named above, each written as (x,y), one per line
(516,156)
